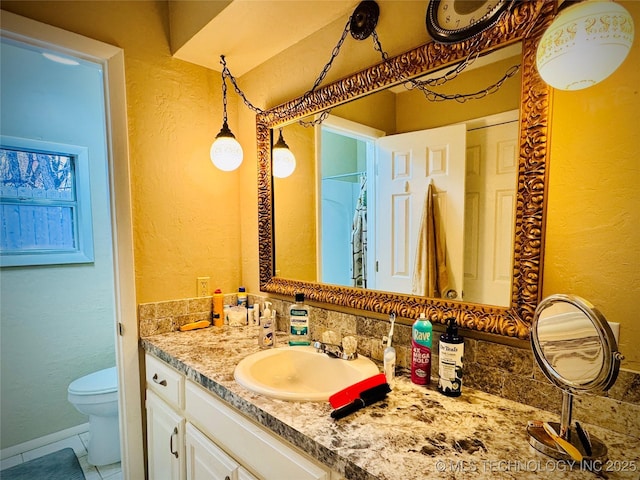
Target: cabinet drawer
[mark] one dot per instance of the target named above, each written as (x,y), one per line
(165,381)
(260,451)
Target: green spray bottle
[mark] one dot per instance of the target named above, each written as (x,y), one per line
(421,338)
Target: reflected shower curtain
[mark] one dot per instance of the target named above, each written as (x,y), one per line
(359,238)
(430,277)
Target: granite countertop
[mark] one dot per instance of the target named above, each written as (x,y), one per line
(415,433)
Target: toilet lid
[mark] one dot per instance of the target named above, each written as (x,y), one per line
(103,381)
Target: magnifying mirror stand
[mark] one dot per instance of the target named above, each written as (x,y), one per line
(577,351)
(591,449)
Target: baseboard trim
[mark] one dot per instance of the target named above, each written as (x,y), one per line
(42,441)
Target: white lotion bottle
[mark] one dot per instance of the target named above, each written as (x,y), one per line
(389,356)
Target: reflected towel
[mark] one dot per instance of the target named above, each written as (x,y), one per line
(430,277)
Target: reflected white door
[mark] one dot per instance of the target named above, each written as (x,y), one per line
(492,163)
(406,164)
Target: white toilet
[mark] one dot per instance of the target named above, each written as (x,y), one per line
(96,395)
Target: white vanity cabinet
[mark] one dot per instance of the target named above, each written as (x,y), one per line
(250,444)
(193,435)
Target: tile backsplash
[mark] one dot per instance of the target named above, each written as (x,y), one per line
(509,371)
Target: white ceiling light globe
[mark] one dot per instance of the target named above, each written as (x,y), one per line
(284,163)
(226,153)
(585,44)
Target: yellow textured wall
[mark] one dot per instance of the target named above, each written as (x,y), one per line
(295,205)
(593,225)
(193,220)
(186,212)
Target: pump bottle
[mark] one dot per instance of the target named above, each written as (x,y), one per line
(450,361)
(267,337)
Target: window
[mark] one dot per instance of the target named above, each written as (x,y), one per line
(45,215)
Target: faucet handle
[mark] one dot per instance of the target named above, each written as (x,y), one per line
(349,345)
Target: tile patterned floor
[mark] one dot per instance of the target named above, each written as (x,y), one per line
(79,444)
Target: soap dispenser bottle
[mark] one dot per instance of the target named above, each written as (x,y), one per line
(299,322)
(421,334)
(451,354)
(267,337)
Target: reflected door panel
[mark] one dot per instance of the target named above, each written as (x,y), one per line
(492,160)
(406,164)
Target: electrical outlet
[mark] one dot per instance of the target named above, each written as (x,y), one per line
(615,328)
(203,287)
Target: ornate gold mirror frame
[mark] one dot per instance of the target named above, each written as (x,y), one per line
(526,22)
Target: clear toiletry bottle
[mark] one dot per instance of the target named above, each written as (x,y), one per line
(256,314)
(243,301)
(266,312)
(250,315)
(450,356)
(421,334)
(299,322)
(389,356)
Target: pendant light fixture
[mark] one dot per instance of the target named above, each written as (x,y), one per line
(226,152)
(283,160)
(585,44)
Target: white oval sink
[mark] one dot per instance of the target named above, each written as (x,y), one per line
(300,373)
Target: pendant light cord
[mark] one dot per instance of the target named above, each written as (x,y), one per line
(226,73)
(433,96)
(224,97)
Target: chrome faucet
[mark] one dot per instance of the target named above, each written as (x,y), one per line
(334,351)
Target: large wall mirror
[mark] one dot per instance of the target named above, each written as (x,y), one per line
(494,238)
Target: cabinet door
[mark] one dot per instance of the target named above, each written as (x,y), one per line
(165,440)
(205,460)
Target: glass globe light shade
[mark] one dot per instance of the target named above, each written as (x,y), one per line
(226,152)
(585,44)
(283,160)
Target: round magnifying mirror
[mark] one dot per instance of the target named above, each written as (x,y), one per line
(574,345)
(576,350)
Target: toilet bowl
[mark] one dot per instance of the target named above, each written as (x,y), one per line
(96,395)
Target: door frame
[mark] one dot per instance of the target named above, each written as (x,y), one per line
(359,131)
(111,58)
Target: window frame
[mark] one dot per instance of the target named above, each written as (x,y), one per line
(83,228)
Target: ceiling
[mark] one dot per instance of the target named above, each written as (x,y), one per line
(247,32)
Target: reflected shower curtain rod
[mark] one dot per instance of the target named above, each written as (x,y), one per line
(342,175)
